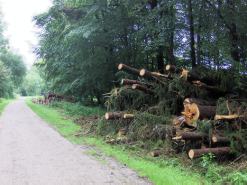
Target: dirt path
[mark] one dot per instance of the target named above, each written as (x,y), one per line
(32,153)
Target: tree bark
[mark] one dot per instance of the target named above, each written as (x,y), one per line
(160,59)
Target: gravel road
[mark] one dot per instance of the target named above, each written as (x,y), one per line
(33,153)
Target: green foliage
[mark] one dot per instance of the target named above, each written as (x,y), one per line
(33,84)
(6,85)
(237,178)
(16,66)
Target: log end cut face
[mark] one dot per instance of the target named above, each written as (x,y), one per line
(191,154)
(107,116)
(120,66)
(191,113)
(142,72)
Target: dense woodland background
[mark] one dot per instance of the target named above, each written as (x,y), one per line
(12,67)
(82,41)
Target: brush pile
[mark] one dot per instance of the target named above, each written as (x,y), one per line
(52,97)
(205,110)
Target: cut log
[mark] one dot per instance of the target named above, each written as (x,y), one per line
(118,115)
(156,153)
(227,117)
(219,139)
(148,74)
(195,153)
(142,88)
(130,82)
(173,69)
(128,69)
(198,101)
(193,136)
(194,112)
(113,115)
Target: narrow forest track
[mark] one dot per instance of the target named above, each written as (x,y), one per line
(33,153)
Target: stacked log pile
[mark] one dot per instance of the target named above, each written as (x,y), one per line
(195,110)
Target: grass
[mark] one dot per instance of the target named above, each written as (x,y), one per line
(160,173)
(3,104)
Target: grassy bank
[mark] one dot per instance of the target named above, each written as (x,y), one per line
(3,104)
(159,172)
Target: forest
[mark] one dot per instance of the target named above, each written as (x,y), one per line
(89,38)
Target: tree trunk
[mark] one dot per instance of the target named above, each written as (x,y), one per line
(160,60)
(192,39)
(234,37)
(195,153)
